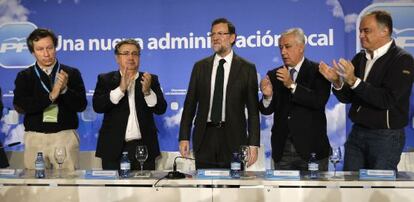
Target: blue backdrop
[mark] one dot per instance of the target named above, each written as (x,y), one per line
(173,34)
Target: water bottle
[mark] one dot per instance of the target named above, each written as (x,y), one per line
(313,167)
(235,166)
(125,165)
(39,166)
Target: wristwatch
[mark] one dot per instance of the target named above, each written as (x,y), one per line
(292,87)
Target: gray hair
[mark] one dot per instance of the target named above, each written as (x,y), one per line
(298,32)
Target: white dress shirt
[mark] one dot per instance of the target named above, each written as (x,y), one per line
(132,131)
(226,66)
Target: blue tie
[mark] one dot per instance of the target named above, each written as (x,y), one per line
(292,74)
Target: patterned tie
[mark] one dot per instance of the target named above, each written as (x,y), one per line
(217,108)
(292,74)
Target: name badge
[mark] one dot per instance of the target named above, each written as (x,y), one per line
(213,174)
(7,171)
(217,173)
(104,173)
(50,114)
(282,174)
(369,174)
(101,174)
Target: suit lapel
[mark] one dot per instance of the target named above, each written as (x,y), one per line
(116,78)
(361,67)
(234,72)
(303,72)
(208,70)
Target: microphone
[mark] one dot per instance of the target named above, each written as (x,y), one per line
(10,145)
(177,174)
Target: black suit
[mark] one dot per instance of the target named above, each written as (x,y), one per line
(301,114)
(111,138)
(241,93)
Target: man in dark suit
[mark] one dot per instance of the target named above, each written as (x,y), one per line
(128,98)
(220,88)
(296,94)
(377,83)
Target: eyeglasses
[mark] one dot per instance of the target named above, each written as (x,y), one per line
(126,53)
(218,34)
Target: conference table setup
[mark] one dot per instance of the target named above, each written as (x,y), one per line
(203,185)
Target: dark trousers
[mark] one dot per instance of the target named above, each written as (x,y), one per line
(130,147)
(4,163)
(373,148)
(214,150)
(291,160)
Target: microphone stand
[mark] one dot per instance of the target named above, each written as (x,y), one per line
(10,145)
(174,174)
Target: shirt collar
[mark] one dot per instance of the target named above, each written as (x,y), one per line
(48,70)
(136,75)
(297,66)
(379,51)
(228,58)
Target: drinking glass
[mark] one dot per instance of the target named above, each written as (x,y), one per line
(244,157)
(141,154)
(60,156)
(335,158)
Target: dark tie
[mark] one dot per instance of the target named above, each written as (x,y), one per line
(217,108)
(292,73)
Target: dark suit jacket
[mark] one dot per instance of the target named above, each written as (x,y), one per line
(302,114)
(382,101)
(112,133)
(241,93)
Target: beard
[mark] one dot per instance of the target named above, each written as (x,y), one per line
(220,49)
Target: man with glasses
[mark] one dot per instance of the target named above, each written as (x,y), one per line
(128,98)
(221,87)
(49,94)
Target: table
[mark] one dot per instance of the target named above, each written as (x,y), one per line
(75,188)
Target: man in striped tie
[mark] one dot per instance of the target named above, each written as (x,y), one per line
(296,94)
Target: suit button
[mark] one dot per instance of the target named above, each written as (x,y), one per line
(288,117)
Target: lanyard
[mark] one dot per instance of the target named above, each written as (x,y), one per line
(38,75)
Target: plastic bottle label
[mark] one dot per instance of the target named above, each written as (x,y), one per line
(39,166)
(235,166)
(313,166)
(125,166)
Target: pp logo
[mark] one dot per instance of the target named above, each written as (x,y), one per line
(13,49)
(405,38)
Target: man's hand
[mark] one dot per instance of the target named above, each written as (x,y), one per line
(62,79)
(185,148)
(146,83)
(126,80)
(266,87)
(252,155)
(282,74)
(60,85)
(330,73)
(346,70)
